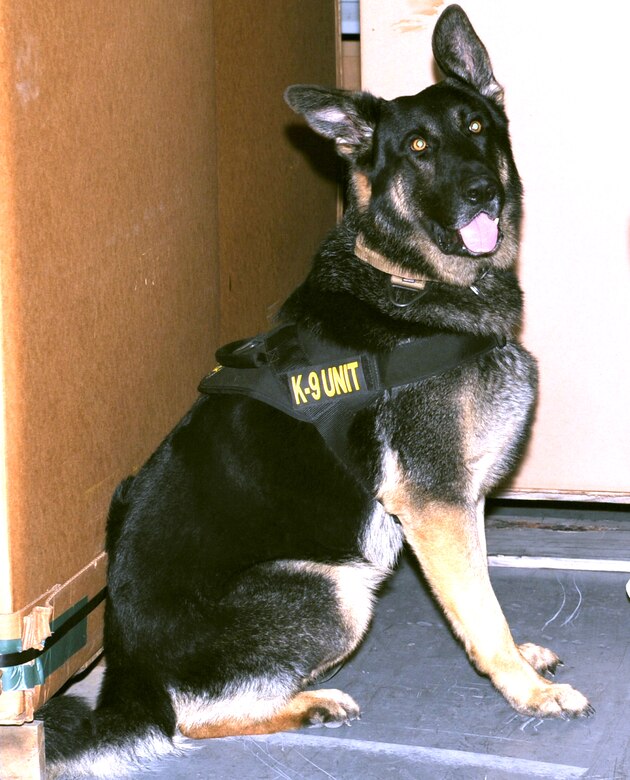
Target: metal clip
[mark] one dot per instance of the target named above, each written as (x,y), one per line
(417,294)
(473,287)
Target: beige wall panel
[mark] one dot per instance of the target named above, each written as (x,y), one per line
(565,71)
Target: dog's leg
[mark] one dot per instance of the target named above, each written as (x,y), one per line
(308,708)
(540,658)
(449,544)
(289,621)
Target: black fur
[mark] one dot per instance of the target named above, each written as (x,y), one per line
(202,603)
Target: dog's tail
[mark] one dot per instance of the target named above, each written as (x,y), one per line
(133,725)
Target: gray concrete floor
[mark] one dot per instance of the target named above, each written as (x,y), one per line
(427,715)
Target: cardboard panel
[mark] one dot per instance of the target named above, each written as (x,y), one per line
(574,262)
(278,181)
(351,61)
(26,687)
(158,197)
(108,278)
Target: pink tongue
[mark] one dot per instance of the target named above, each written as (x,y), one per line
(480,235)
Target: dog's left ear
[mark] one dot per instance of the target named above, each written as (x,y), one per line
(348,118)
(459,53)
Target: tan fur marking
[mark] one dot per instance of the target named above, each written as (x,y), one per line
(400,198)
(503,169)
(448,543)
(362,190)
(453,269)
(447,268)
(307,707)
(483,447)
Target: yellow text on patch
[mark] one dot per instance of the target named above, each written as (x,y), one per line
(322,384)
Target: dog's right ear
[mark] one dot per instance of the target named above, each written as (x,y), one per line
(348,118)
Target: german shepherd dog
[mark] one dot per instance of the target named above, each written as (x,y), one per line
(244,556)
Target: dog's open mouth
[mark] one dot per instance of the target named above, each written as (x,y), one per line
(481,235)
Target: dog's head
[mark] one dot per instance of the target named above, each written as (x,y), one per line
(433,182)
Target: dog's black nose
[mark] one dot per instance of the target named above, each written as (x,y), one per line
(480,189)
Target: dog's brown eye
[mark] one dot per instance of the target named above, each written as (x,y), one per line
(475,126)
(418,145)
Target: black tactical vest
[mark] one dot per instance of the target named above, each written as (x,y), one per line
(318,382)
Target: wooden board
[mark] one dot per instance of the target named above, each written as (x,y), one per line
(22,752)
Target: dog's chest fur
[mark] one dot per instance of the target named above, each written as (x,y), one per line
(460,433)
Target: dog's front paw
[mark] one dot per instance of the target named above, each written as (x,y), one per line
(541,659)
(555,701)
(331,708)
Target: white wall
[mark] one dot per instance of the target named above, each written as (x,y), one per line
(565,69)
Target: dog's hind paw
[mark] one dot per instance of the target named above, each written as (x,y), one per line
(541,659)
(330,708)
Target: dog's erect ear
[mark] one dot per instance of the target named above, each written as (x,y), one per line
(348,118)
(459,53)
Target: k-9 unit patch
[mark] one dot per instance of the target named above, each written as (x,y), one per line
(313,385)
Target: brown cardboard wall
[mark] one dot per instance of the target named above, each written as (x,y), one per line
(125,129)
(276,202)
(109,290)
